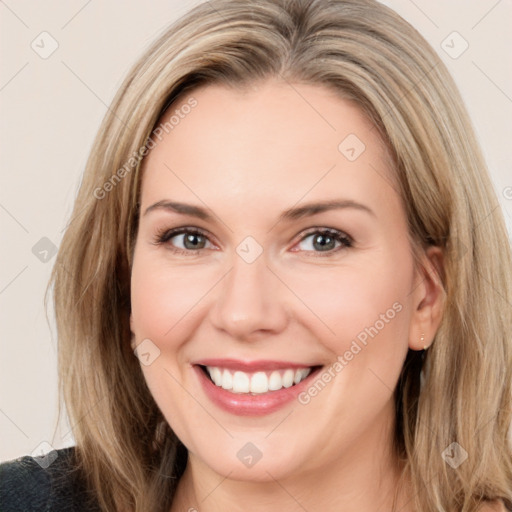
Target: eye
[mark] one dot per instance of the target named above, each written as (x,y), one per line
(326,240)
(187,240)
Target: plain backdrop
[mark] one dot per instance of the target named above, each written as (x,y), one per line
(52,105)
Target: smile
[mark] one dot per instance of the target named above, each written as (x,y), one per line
(253,388)
(257,382)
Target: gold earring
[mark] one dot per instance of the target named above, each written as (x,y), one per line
(422,339)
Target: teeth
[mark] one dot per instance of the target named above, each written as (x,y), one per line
(275,381)
(299,375)
(259,383)
(241,382)
(227,379)
(288,378)
(216,376)
(256,383)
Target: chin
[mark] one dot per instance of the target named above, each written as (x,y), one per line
(253,458)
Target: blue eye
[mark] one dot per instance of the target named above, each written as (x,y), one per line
(192,240)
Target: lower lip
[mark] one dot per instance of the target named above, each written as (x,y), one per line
(243,404)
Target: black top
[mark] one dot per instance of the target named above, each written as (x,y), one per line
(43,484)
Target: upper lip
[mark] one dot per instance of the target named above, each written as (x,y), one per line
(252,366)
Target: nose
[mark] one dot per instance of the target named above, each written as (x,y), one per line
(250,301)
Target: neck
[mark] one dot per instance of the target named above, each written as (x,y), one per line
(365,477)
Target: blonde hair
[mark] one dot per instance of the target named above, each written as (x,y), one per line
(367,53)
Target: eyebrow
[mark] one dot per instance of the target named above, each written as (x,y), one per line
(294,213)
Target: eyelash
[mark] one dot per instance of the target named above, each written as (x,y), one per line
(163,236)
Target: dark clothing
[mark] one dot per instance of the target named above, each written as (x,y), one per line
(44,484)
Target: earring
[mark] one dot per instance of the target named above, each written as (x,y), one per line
(422,339)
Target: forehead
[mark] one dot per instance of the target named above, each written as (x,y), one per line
(269,144)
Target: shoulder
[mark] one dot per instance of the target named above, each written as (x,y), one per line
(51,482)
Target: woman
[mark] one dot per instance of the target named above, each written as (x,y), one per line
(284,285)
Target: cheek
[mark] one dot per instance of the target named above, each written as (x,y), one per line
(163,296)
(362,315)
(367,302)
(164,305)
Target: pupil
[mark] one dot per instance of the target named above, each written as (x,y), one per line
(192,239)
(322,245)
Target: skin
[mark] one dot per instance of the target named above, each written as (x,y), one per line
(248,155)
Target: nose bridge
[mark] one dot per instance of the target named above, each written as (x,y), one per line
(249,298)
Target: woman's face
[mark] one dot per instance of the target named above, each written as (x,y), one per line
(262,283)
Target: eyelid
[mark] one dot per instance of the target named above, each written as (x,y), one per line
(324,229)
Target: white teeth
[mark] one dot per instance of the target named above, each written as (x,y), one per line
(241,382)
(227,379)
(301,375)
(275,381)
(259,383)
(256,383)
(216,376)
(288,378)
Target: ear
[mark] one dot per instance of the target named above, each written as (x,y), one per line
(132,342)
(428,299)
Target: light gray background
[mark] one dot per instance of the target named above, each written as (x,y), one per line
(51,109)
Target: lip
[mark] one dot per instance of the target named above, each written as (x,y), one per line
(252,405)
(253,366)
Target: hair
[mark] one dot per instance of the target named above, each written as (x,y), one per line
(367,53)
